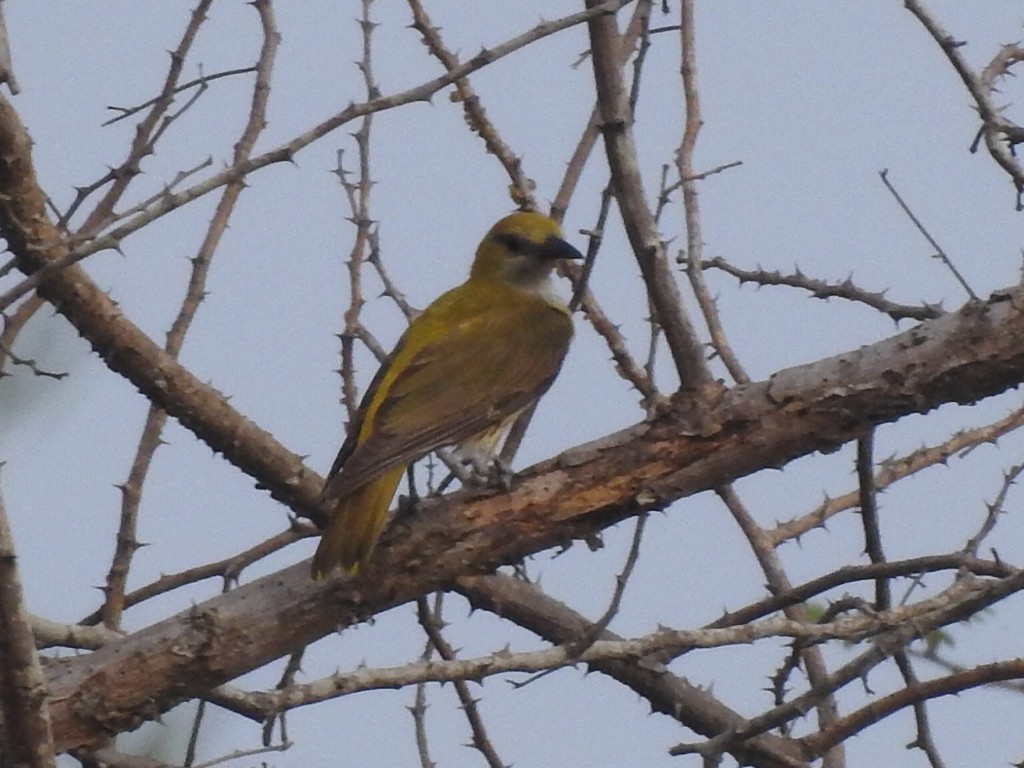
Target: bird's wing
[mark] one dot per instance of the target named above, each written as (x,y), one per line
(482,368)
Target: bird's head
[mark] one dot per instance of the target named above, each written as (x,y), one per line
(521,250)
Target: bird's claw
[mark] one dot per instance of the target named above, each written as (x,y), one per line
(499,476)
(493,474)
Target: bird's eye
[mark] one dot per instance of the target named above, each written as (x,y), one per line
(514,243)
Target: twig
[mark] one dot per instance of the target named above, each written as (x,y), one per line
(522,187)
(591,132)
(713,171)
(994,509)
(391,289)
(291,668)
(878,711)
(202,80)
(481,740)
(992,122)
(146,133)
(847,574)
(667,190)
(580,276)
(654,326)
(1000,67)
(625,365)
(691,202)
(892,470)
(419,708)
(6,353)
(939,253)
(240,753)
(599,626)
(930,655)
(869,514)
(156,418)
(193,735)
(419,711)
(924,740)
(179,178)
(358,195)
(821,289)
(779,583)
(616,126)
(228,569)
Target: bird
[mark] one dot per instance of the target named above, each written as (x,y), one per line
(460,374)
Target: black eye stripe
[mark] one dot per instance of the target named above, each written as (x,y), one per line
(514,242)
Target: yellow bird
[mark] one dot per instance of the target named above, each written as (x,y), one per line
(460,374)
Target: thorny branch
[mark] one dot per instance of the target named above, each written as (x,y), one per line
(358,194)
(605,620)
(994,510)
(886,645)
(691,203)
(202,81)
(228,569)
(649,251)
(999,134)
(156,418)
(521,188)
(637,662)
(892,628)
(432,623)
(821,289)
(147,133)
(985,674)
(779,584)
(112,238)
(897,468)
(25,733)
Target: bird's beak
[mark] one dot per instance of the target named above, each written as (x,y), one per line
(555,248)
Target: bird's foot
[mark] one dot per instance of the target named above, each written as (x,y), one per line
(499,476)
(493,474)
(407,506)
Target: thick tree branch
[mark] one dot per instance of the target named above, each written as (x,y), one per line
(38,245)
(25,736)
(961,357)
(36,242)
(152,432)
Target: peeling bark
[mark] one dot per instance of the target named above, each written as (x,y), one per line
(961,357)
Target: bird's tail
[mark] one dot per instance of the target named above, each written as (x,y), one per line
(355,525)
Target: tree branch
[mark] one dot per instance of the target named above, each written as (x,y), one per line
(26,740)
(616,126)
(960,357)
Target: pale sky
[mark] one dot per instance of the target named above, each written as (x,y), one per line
(814,98)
